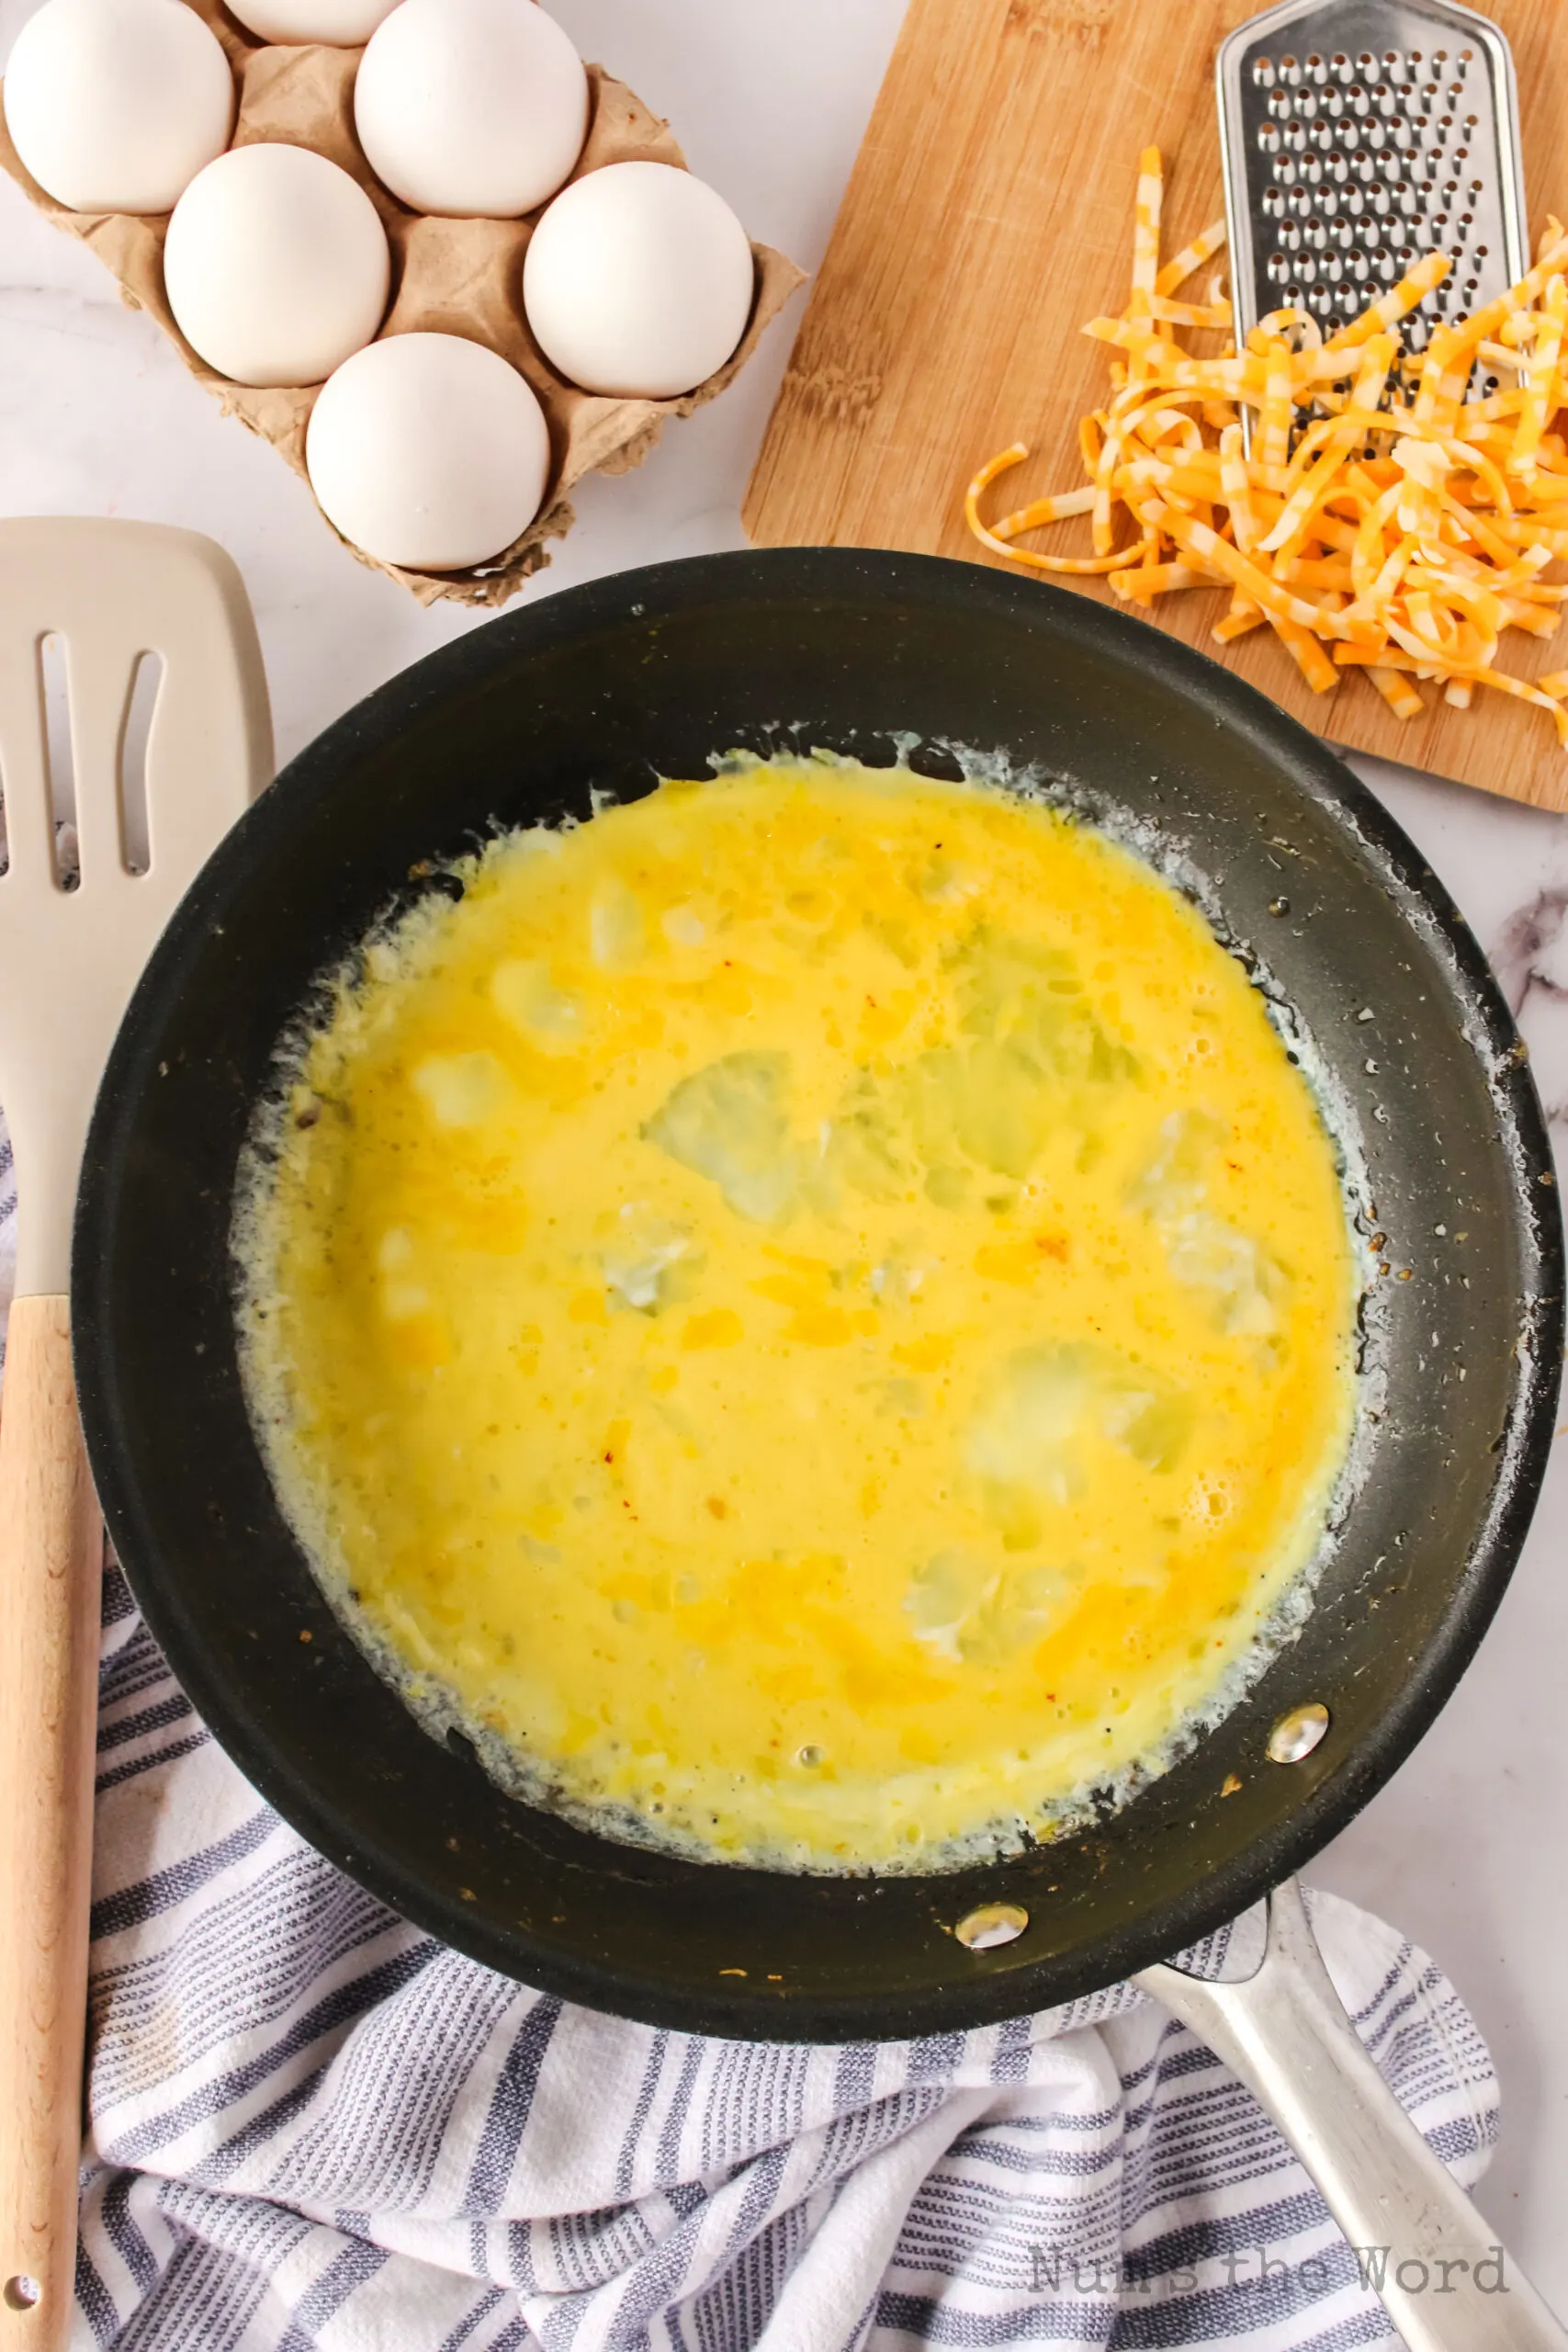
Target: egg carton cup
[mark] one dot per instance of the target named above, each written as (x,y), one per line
(462,277)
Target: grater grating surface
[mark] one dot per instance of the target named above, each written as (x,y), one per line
(1357,135)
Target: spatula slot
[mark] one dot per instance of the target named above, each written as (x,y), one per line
(142,701)
(60,758)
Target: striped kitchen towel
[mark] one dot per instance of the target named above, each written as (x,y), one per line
(312,2128)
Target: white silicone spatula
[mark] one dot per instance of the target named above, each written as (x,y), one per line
(68,958)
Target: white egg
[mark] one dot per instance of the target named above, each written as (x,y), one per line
(428,451)
(114,104)
(340,24)
(639,281)
(275,266)
(471,108)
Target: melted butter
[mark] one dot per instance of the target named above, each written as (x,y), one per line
(813,1310)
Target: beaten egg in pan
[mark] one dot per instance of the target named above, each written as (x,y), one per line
(812,1315)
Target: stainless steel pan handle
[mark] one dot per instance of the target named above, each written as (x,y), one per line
(1446,2283)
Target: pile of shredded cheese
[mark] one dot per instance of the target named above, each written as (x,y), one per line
(1401,538)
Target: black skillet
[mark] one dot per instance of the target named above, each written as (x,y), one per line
(598,689)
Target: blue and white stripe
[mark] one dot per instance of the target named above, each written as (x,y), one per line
(314,2130)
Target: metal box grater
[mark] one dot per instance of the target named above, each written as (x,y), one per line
(1356,137)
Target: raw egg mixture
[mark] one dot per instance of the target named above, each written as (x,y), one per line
(810,1314)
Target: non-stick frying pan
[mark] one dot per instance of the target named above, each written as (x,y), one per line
(601,689)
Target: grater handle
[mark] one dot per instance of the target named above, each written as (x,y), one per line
(1444,2280)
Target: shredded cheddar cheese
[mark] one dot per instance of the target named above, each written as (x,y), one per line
(1406,530)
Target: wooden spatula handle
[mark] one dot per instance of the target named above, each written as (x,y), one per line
(51,1571)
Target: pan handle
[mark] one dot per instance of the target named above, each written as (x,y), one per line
(1445,2282)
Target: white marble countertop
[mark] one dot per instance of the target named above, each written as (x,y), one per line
(1465,1848)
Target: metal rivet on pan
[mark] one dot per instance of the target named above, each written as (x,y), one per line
(1297,1733)
(992,1923)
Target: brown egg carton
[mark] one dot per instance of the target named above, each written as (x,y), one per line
(449,276)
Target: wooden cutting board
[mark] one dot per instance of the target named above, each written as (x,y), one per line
(990,214)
